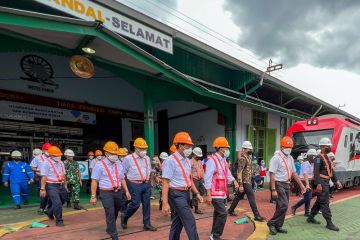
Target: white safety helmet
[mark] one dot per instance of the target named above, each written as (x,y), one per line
(311,152)
(318,151)
(163,155)
(300,157)
(331,154)
(325,142)
(69,153)
(37,152)
(16,154)
(247,144)
(198,152)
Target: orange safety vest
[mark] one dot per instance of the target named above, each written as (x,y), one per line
(117,185)
(220,179)
(187,180)
(286,166)
(139,170)
(328,168)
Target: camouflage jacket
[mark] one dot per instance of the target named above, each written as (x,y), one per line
(245,169)
(72,172)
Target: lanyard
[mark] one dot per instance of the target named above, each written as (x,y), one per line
(187,181)
(328,169)
(286,166)
(110,176)
(138,168)
(59,178)
(218,161)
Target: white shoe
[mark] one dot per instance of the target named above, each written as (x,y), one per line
(211,237)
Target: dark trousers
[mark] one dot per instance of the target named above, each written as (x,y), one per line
(111,202)
(201,188)
(139,193)
(282,203)
(57,195)
(322,201)
(250,196)
(305,200)
(181,215)
(219,217)
(125,202)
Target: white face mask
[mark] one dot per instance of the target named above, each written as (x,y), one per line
(56,159)
(227,153)
(142,153)
(91,157)
(99,157)
(187,152)
(70,158)
(113,158)
(287,151)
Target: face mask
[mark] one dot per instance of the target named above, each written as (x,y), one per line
(327,150)
(262,163)
(226,153)
(113,158)
(99,157)
(142,153)
(56,159)
(69,158)
(249,153)
(187,152)
(16,159)
(91,157)
(287,151)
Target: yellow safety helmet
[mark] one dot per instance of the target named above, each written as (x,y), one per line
(122,152)
(111,147)
(140,143)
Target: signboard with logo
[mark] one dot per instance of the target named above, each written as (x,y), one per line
(84,170)
(114,21)
(28,112)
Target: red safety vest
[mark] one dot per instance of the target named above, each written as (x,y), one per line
(139,170)
(117,185)
(187,180)
(60,178)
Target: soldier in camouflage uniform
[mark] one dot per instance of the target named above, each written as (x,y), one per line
(73,179)
(245,172)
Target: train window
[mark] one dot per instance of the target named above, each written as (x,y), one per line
(351,137)
(346,141)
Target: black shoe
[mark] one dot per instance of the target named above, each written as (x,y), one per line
(26,202)
(123,223)
(312,220)
(150,228)
(68,204)
(259,218)
(272,229)
(306,214)
(198,211)
(332,226)
(77,206)
(331,196)
(60,224)
(273,201)
(293,210)
(17,207)
(281,230)
(233,214)
(40,211)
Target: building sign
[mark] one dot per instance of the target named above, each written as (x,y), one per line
(114,21)
(28,112)
(64,104)
(84,170)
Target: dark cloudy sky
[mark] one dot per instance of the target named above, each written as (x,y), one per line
(316,40)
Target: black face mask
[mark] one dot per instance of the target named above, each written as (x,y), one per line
(327,150)
(249,153)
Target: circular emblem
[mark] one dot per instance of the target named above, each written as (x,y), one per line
(37,68)
(82,66)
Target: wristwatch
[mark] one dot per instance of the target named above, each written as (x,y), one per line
(273,189)
(93,196)
(42,190)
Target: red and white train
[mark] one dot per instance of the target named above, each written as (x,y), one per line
(345,136)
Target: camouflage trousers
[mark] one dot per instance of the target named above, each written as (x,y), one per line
(74,193)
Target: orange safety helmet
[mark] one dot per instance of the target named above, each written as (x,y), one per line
(140,143)
(183,137)
(287,142)
(98,153)
(54,151)
(122,152)
(221,142)
(91,153)
(111,147)
(173,148)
